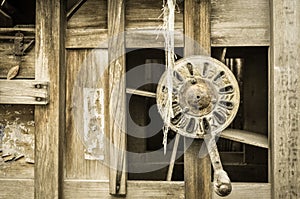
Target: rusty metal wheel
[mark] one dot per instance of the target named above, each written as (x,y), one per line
(205,96)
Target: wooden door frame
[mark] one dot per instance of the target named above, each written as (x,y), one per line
(50,120)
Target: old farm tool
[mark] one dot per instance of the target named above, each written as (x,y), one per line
(205,100)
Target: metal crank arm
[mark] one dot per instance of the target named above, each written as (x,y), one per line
(222,183)
(205,100)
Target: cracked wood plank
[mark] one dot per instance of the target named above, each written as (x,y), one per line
(117,97)
(284,99)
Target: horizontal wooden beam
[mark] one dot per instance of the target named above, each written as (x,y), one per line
(23,92)
(21,29)
(151,38)
(156,189)
(87,38)
(246,137)
(17,188)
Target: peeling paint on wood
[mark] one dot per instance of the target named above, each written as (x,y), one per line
(16,141)
(94,123)
(18,134)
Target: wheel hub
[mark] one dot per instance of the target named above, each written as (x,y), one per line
(205,95)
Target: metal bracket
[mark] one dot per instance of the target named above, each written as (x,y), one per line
(42,86)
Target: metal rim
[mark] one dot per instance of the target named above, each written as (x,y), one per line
(205,96)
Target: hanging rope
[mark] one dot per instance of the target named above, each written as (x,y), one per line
(168,30)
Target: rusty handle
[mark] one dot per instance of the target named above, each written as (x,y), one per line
(222,183)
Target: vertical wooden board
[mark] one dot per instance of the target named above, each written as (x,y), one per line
(146,14)
(117,97)
(197,171)
(16,141)
(50,119)
(285,101)
(86,70)
(92,14)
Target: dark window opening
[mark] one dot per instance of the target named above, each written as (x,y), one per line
(17,12)
(244,163)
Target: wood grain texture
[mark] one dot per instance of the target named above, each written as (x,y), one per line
(151,38)
(8,60)
(197,171)
(233,23)
(92,14)
(75,8)
(86,68)
(50,120)
(23,92)
(240,22)
(284,98)
(78,189)
(86,38)
(17,188)
(145,14)
(117,97)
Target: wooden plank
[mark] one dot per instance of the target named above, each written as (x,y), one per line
(80,189)
(240,36)
(117,97)
(240,22)
(173,157)
(197,171)
(17,188)
(233,23)
(145,14)
(284,98)
(151,38)
(24,92)
(92,14)
(86,69)
(24,30)
(86,38)
(246,137)
(50,120)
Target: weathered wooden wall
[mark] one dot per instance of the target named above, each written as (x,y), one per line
(87,69)
(234,23)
